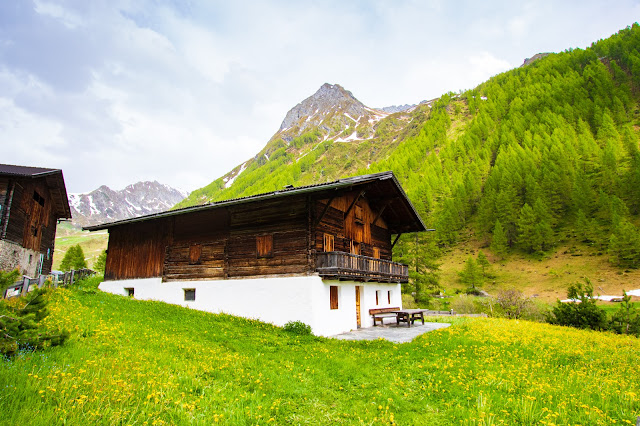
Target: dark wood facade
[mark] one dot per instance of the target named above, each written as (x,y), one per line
(31,201)
(271,234)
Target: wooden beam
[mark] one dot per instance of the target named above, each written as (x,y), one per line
(324,211)
(396,240)
(380,212)
(355,200)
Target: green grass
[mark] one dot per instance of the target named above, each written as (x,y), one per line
(135,362)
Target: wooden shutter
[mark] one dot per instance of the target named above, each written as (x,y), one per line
(264,245)
(358,214)
(333,297)
(329,242)
(355,247)
(376,252)
(195,253)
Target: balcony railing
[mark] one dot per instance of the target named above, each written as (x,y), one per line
(340,265)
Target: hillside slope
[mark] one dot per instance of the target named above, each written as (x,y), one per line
(131,362)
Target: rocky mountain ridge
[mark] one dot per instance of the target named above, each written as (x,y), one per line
(106,205)
(335,112)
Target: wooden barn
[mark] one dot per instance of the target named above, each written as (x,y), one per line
(32,199)
(321,254)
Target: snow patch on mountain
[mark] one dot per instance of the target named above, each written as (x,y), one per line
(106,205)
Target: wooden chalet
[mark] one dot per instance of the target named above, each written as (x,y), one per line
(338,231)
(32,199)
(341,229)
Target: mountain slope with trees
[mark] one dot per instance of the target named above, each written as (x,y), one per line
(528,160)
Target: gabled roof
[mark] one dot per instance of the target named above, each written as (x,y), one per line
(53,178)
(399,214)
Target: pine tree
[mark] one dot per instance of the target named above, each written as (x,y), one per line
(21,325)
(484,264)
(7,279)
(73,259)
(624,245)
(499,241)
(101,262)
(627,319)
(471,275)
(528,237)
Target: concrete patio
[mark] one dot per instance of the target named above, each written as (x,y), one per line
(392,332)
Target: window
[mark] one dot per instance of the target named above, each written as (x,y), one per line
(130,291)
(377,297)
(195,253)
(34,231)
(189,294)
(264,245)
(376,253)
(333,297)
(38,198)
(389,296)
(329,242)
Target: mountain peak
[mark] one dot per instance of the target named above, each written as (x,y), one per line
(331,107)
(106,205)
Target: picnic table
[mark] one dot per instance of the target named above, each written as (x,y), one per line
(409,315)
(401,315)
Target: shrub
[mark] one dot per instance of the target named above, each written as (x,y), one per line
(298,327)
(512,303)
(582,312)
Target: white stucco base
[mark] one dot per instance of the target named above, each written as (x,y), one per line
(276,300)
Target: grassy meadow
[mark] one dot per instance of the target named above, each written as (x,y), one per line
(547,276)
(137,362)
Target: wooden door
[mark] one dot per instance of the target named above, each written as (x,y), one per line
(358,318)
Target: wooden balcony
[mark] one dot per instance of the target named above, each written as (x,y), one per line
(346,266)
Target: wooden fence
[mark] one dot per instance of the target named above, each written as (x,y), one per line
(27,284)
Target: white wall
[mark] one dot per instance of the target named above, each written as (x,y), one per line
(276,300)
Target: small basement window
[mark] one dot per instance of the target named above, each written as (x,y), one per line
(378,297)
(333,297)
(264,245)
(130,291)
(389,296)
(189,294)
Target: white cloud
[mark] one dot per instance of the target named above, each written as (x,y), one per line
(115,91)
(68,18)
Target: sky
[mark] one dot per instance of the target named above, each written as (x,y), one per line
(181,91)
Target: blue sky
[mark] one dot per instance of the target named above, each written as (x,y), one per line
(118,91)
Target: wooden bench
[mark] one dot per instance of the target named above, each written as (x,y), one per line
(379,314)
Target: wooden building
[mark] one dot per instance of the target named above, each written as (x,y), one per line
(32,199)
(334,234)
